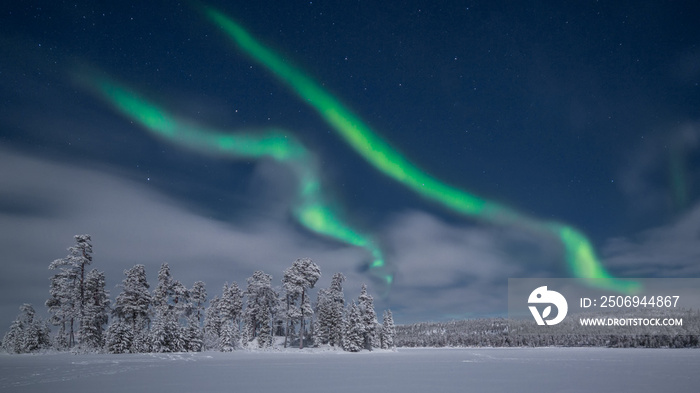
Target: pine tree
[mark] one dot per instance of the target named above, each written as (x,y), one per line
(212,325)
(388,331)
(198,297)
(265,334)
(297,280)
(262,302)
(28,333)
(67,290)
(61,306)
(323,320)
(230,313)
(368,318)
(132,306)
(192,333)
(169,301)
(291,312)
(95,311)
(231,304)
(354,331)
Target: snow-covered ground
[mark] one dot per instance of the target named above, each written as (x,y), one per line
(406,370)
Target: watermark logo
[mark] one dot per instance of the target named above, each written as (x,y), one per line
(542,296)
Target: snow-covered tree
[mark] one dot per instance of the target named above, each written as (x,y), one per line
(261,304)
(365,305)
(230,313)
(212,325)
(265,332)
(165,335)
(27,333)
(323,307)
(297,280)
(388,331)
(231,304)
(170,303)
(192,333)
(198,297)
(354,330)
(95,311)
(291,312)
(132,306)
(61,306)
(229,337)
(120,337)
(67,290)
(330,305)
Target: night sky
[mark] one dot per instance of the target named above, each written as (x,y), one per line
(584,114)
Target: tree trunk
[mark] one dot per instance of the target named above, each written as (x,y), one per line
(301,327)
(286,330)
(82,294)
(71,338)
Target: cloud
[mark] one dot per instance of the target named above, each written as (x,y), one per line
(671,250)
(443,270)
(44,203)
(447,271)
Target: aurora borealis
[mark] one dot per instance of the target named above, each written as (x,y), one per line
(579,254)
(310,208)
(440,148)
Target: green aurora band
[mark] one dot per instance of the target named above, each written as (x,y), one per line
(579,253)
(310,207)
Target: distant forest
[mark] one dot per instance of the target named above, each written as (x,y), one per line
(174,318)
(501,332)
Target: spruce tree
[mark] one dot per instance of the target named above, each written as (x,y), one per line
(192,333)
(337,305)
(95,311)
(229,337)
(119,338)
(388,330)
(231,304)
(198,297)
(132,307)
(28,333)
(368,318)
(170,303)
(230,312)
(354,331)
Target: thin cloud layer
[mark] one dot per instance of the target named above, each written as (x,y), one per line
(671,250)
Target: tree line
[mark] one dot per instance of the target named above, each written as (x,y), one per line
(174,318)
(501,332)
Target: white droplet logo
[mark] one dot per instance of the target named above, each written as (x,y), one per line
(542,296)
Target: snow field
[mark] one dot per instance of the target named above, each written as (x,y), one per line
(405,370)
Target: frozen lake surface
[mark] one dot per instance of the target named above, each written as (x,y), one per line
(406,370)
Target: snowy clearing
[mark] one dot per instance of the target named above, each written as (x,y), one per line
(406,370)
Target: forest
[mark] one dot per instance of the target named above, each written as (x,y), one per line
(174,318)
(502,332)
